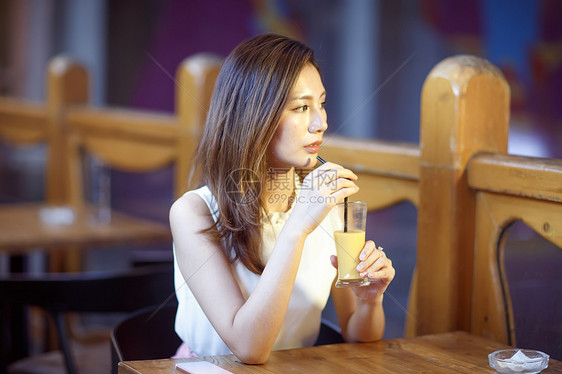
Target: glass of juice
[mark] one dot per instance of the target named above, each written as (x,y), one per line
(349,235)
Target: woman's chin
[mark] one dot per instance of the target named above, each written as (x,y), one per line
(302,163)
(307,163)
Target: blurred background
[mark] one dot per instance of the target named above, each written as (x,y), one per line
(374,57)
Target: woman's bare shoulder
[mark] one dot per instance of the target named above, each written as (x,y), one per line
(190,208)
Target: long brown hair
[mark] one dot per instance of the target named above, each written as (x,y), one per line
(250,94)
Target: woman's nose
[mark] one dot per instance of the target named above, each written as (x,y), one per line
(318,124)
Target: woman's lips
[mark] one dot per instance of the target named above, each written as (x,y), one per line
(313,147)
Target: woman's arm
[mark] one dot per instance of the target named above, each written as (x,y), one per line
(248,327)
(359,310)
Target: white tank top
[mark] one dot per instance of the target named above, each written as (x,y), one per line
(310,292)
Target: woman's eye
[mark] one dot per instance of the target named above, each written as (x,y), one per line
(323,104)
(302,108)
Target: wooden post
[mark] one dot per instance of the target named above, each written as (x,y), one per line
(195,81)
(464,110)
(67,83)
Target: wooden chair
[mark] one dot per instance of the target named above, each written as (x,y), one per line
(145,335)
(508,188)
(330,333)
(59,294)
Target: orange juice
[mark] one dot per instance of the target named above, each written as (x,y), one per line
(348,247)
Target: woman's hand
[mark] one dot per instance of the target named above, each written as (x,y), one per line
(321,190)
(377,267)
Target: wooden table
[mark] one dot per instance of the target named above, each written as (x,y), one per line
(456,352)
(21,229)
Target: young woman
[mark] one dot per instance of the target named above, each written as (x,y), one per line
(253,247)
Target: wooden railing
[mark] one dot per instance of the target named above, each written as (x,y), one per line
(467,190)
(464,185)
(26,123)
(127,140)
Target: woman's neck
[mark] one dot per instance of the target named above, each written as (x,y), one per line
(279,190)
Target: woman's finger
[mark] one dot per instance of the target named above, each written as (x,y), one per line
(371,258)
(338,184)
(368,248)
(374,262)
(340,195)
(330,169)
(385,273)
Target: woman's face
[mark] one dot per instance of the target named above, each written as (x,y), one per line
(299,135)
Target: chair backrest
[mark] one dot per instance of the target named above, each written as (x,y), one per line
(99,292)
(146,334)
(330,333)
(105,292)
(510,188)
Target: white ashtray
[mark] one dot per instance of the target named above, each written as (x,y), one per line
(57,215)
(519,361)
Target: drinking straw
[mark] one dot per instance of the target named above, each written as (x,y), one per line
(320,159)
(344,201)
